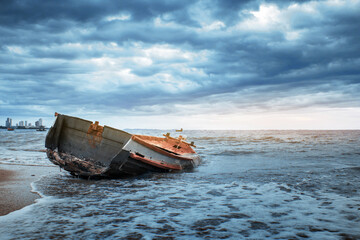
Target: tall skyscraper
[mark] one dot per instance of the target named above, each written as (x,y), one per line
(25,123)
(21,123)
(8,122)
(40,122)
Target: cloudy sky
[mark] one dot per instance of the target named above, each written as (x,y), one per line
(191,64)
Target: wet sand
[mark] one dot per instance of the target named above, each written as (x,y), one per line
(15,185)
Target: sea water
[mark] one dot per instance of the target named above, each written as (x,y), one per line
(251,185)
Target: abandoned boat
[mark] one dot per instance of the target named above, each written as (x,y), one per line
(86,149)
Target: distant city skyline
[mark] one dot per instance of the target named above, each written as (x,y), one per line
(22,123)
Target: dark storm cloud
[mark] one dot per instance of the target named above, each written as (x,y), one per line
(116,55)
(14,13)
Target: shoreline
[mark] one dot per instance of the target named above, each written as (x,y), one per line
(15,185)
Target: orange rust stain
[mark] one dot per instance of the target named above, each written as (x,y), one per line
(172,146)
(94,134)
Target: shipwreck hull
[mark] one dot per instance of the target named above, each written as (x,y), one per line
(87,149)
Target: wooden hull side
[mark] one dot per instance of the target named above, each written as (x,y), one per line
(123,165)
(70,135)
(76,166)
(156,163)
(135,147)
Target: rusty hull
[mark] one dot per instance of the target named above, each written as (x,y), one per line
(87,149)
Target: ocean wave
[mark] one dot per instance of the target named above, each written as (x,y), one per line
(218,138)
(7,141)
(268,139)
(27,150)
(34,150)
(235,153)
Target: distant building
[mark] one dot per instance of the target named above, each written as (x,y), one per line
(25,123)
(29,124)
(21,123)
(39,123)
(8,122)
(17,125)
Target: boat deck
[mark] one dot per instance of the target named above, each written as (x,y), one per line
(168,144)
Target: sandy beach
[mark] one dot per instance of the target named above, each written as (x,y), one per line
(15,185)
